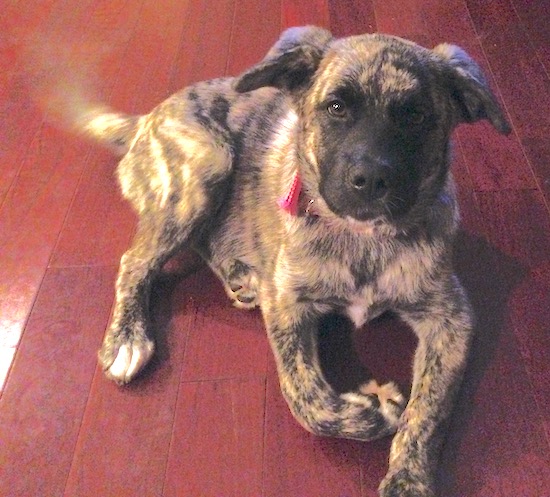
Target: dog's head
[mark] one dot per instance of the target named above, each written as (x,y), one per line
(375,116)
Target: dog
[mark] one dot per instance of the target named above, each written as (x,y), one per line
(315,182)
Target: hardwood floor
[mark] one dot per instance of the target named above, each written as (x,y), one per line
(207,419)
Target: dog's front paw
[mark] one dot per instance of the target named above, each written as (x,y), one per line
(372,412)
(123,360)
(392,401)
(404,483)
(387,399)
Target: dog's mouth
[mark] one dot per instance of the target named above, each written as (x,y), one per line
(391,208)
(298,201)
(372,213)
(377,225)
(368,225)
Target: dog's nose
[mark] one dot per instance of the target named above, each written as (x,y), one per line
(372,184)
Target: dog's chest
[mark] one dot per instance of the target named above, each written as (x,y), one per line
(361,307)
(401,281)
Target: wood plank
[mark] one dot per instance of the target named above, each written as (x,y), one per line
(216,447)
(519,226)
(24,27)
(470,220)
(98,211)
(493,175)
(144,412)
(45,53)
(382,349)
(386,347)
(478,459)
(144,83)
(534,17)
(204,44)
(522,79)
(126,431)
(492,267)
(48,166)
(47,390)
(232,340)
(257,20)
(351,17)
(199,421)
(30,221)
(495,162)
(405,19)
(314,12)
(530,316)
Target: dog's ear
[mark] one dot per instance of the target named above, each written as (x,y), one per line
(290,63)
(470,93)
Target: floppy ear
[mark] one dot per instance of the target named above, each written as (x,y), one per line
(290,63)
(470,92)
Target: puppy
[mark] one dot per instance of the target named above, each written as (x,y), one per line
(316,182)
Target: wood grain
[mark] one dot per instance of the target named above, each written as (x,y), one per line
(47,391)
(313,12)
(217,440)
(522,78)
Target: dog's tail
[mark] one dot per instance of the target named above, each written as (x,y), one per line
(68,105)
(112,129)
(65,92)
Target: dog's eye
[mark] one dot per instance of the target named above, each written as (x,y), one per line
(411,116)
(337,108)
(415,117)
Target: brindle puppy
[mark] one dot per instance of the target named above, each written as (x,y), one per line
(316,182)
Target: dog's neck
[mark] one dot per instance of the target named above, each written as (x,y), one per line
(296,202)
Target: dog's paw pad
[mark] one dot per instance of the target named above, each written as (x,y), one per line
(244,291)
(385,393)
(391,400)
(129,361)
(245,300)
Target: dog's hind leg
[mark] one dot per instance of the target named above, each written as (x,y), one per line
(128,344)
(177,181)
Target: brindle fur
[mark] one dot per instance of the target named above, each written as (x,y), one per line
(205,170)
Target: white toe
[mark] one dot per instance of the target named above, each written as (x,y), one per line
(130,360)
(354,398)
(121,363)
(140,357)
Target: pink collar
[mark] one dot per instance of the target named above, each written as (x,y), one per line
(295,202)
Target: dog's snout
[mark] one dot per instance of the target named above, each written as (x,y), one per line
(373,183)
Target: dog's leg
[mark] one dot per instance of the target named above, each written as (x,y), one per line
(442,323)
(127,345)
(177,179)
(292,329)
